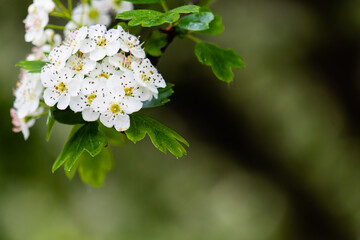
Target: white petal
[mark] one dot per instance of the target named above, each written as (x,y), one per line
(106,119)
(122,122)
(138,52)
(50,97)
(90,115)
(112,48)
(87,46)
(63,102)
(112,35)
(77,104)
(97,54)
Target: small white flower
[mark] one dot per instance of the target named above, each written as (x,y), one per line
(86,15)
(60,86)
(20,124)
(35,23)
(90,90)
(104,70)
(130,43)
(81,63)
(119,6)
(122,61)
(28,94)
(101,42)
(147,76)
(47,5)
(59,55)
(75,38)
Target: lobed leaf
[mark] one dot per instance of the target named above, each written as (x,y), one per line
(163,97)
(87,138)
(92,170)
(196,21)
(114,137)
(151,18)
(215,27)
(155,43)
(220,60)
(31,66)
(161,136)
(67,116)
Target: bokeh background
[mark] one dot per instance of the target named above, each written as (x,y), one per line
(273,155)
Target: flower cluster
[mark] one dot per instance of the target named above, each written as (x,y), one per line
(101,73)
(36,20)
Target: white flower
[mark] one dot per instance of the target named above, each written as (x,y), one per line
(147,76)
(104,70)
(90,90)
(115,108)
(47,5)
(80,63)
(119,6)
(28,94)
(60,86)
(59,55)
(122,61)
(75,38)
(35,23)
(20,124)
(86,15)
(130,43)
(101,42)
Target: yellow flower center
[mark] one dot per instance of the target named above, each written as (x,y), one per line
(105,75)
(115,108)
(128,92)
(94,14)
(90,98)
(101,42)
(61,87)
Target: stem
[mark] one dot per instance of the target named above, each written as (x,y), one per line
(70,5)
(195,39)
(164,6)
(55,27)
(62,7)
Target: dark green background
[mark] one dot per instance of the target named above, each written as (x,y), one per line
(273,155)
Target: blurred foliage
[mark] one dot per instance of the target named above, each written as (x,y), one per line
(274,155)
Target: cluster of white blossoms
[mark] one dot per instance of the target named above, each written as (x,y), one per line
(101,73)
(83,65)
(36,21)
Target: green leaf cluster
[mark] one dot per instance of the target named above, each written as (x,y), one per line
(151,18)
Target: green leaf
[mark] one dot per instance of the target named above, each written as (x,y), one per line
(155,43)
(70,174)
(163,97)
(67,116)
(88,138)
(161,136)
(196,21)
(114,137)
(215,27)
(50,123)
(92,170)
(144,1)
(151,18)
(31,66)
(220,60)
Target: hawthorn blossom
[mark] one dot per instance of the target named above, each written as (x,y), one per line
(28,94)
(104,70)
(60,86)
(59,55)
(87,15)
(47,5)
(20,124)
(75,38)
(130,43)
(119,6)
(147,76)
(122,61)
(35,23)
(81,63)
(101,42)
